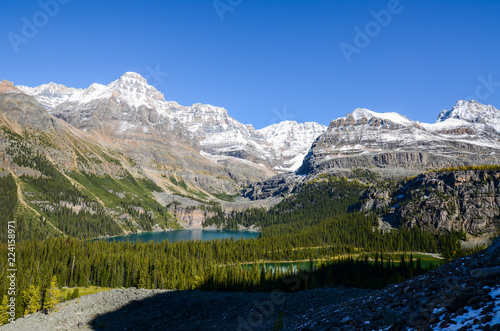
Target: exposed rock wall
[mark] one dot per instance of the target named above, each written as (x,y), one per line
(277,186)
(192,217)
(449,201)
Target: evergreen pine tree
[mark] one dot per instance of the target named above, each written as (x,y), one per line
(51,296)
(76,293)
(32,300)
(4,316)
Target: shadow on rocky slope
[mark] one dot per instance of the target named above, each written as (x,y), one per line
(205,310)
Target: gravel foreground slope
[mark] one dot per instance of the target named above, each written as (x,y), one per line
(138,309)
(462,295)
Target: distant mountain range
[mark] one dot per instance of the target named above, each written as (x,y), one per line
(389,143)
(129,104)
(129,109)
(124,149)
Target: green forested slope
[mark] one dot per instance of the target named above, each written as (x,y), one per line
(52,200)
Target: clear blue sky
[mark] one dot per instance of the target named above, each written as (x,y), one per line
(266,60)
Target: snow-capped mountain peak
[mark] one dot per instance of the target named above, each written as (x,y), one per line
(132,77)
(471,111)
(50,95)
(363,113)
(134,90)
(131,88)
(291,140)
(390,140)
(281,146)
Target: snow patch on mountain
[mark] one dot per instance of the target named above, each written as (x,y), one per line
(50,95)
(466,112)
(291,141)
(468,320)
(361,113)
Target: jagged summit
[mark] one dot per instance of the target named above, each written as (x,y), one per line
(133,76)
(50,95)
(130,88)
(471,111)
(363,113)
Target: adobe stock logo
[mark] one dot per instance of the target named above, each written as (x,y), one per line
(221,7)
(30,28)
(155,76)
(281,115)
(372,29)
(486,87)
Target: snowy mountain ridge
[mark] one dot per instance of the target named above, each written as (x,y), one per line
(467,134)
(281,147)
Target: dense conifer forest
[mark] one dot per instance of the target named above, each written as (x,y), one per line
(313,225)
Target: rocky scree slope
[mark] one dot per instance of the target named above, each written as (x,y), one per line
(445,201)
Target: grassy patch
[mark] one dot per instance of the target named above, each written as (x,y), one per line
(83,290)
(225,197)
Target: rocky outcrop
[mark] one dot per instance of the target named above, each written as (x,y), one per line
(23,109)
(192,216)
(277,186)
(464,200)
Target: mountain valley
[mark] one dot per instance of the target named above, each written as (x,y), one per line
(355,200)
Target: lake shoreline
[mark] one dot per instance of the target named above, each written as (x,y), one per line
(184,235)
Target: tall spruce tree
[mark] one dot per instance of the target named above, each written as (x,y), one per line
(51,296)
(31,300)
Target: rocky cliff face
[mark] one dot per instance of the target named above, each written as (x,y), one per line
(23,109)
(277,186)
(193,217)
(468,134)
(463,200)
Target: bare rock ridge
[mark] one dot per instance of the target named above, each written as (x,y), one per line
(23,109)
(465,200)
(277,186)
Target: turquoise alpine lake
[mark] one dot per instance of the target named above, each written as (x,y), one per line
(182,235)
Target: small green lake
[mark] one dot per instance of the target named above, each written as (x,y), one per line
(426,262)
(183,235)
